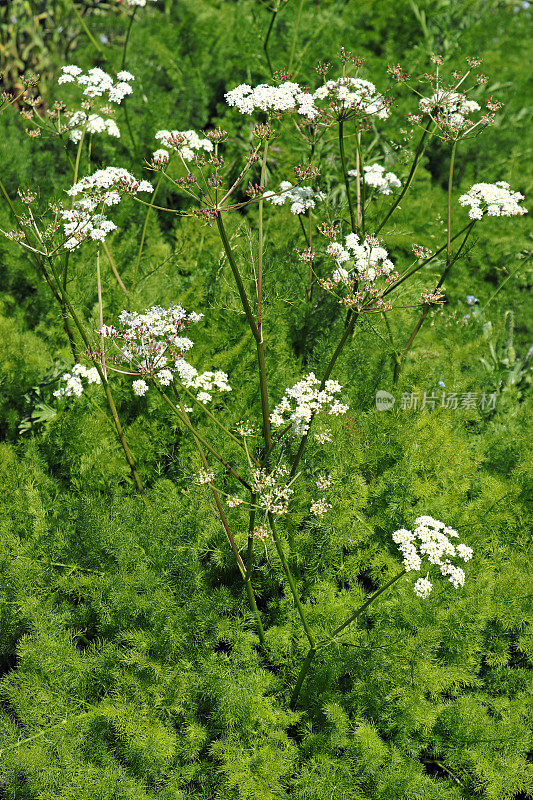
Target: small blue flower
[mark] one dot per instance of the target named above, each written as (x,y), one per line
(103,38)
(471,300)
(442,384)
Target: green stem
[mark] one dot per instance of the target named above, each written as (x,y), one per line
(125,48)
(418,155)
(66,321)
(295,35)
(143,234)
(292,584)
(260,246)
(87,31)
(345,176)
(361,188)
(255,330)
(347,331)
(267,37)
(184,417)
(105,384)
(364,606)
(311,654)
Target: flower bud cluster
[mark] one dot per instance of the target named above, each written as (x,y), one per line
(431,541)
(493,199)
(301,402)
(377,178)
(73,381)
(301,198)
(186,143)
(273,493)
(351,97)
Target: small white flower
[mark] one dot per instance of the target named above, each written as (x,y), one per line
(139,387)
(422,587)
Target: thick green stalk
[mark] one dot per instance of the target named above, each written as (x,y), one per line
(345,176)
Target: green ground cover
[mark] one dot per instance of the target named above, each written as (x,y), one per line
(130,665)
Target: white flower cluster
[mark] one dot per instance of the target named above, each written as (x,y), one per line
(367,261)
(205,383)
(377,178)
(73,381)
(183,142)
(449,108)
(287,96)
(137,3)
(319,508)
(493,199)
(353,95)
(304,400)
(301,198)
(273,493)
(97,83)
(152,344)
(93,123)
(431,540)
(104,187)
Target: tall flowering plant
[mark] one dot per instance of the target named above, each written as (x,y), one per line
(347,257)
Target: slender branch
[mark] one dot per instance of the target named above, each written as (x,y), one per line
(184,417)
(345,176)
(292,583)
(312,651)
(257,335)
(103,378)
(143,234)
(418,155)
(114,268)
(267,37)
(260,246)
(295,35)
(361,187)
(100,310)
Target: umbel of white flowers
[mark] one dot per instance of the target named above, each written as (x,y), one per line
(95,84)
(430,542)
(493,199)
(305,399)
(152,345)
(377,178)
(301,198)
(185,143)
(104,188)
